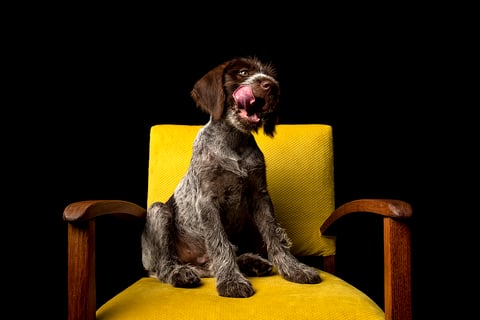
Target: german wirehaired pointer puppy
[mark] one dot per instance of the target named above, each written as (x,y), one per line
(220,222)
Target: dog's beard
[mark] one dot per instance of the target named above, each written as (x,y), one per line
(247,123)
(241,121)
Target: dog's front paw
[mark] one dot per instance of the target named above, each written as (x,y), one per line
(237,288)
(301,274)
(184,277)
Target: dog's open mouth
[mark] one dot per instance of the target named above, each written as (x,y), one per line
(245,99)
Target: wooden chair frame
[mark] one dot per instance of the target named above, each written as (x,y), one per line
(396,242)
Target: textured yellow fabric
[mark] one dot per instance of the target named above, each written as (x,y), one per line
(300,180)
(169,156)
(299,175)
(299,163)
(275,298)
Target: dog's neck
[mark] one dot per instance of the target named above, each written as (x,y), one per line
(226,139)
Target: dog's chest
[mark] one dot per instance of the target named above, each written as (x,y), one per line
(228,162)
(228,175)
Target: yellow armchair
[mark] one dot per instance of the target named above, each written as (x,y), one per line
(300,176)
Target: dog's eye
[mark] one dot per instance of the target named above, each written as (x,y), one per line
(243,72)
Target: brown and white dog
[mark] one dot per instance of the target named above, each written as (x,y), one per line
(220,222)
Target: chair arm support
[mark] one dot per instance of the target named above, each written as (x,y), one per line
(396,247)
(81,250)
(90,209)
(385,207)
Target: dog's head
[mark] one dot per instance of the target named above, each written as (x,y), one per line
(242,91)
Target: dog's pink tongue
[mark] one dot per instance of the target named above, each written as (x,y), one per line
(244,96)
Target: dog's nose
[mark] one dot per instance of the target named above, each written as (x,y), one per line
(266,84)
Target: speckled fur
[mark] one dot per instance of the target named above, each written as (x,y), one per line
(220,222)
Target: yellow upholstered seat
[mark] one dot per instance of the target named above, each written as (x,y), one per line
(301,183)
(275,298)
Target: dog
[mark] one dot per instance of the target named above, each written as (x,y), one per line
(219,221)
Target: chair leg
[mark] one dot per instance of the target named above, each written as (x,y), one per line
(397,267)
(81,271)
(329,264)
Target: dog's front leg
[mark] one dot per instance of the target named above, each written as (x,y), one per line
(230,281)
(158,249)
(278,246)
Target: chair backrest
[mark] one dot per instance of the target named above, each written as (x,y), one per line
(300,179)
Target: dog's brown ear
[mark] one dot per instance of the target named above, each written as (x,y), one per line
(269,124)
(271,119)
(208,92)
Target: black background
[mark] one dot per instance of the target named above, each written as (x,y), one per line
(86,88)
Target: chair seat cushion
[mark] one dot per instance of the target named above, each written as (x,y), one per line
(275,298)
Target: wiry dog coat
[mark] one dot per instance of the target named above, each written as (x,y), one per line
(220,222)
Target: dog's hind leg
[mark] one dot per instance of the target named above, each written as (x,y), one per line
(254,265)
(159,256)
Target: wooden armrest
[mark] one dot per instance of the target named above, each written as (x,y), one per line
(81,250)
(385,207)
(90,209)
(396,249)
